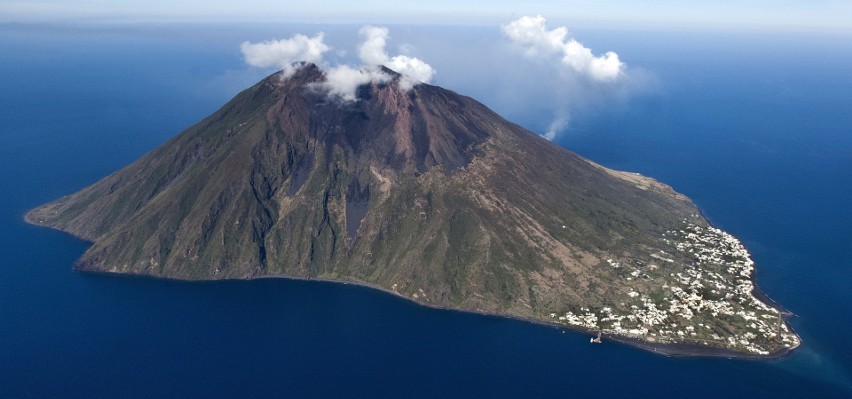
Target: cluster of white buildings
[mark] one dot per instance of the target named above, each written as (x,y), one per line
(708,301)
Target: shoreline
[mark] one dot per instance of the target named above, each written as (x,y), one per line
(664,349)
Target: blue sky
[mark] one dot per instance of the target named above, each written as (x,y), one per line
(829,15)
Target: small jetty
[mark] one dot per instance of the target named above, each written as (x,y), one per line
(596,340)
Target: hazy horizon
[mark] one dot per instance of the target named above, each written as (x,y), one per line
(820,15)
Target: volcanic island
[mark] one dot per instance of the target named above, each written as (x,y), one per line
(430,195)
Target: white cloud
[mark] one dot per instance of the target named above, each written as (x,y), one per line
(557,126)
(283,53)
(414,68)
(372,49)
(343,81)
(581,79)
(372,52)
(532,34)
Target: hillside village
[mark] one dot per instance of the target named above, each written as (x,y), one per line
(707,300)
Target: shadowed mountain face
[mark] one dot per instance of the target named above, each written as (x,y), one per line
(422,192)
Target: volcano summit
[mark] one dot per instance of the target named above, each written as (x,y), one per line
(428,194)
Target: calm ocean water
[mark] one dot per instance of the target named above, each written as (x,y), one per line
(755,127)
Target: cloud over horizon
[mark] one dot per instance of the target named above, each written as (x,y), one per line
(531,33)
(579,74)
(283,53)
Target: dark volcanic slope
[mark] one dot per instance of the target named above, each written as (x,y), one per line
(426,193)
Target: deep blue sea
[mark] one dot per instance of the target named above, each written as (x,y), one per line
(754,126)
